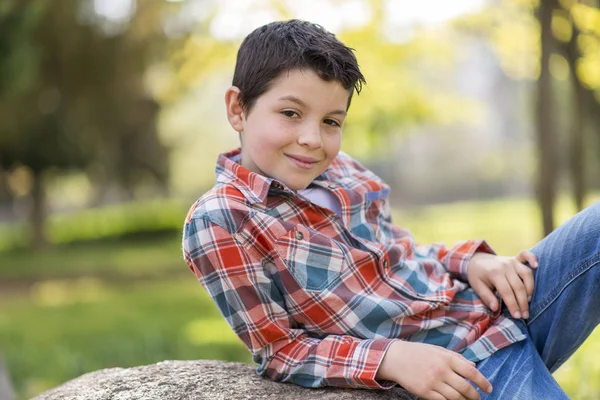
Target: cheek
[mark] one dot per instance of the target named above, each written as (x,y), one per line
(271,134)
(331,145)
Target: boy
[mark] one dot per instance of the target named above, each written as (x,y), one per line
(295,245)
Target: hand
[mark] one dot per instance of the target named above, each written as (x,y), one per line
(512,279)
(431,372)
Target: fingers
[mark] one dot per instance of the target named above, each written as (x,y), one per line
(487,296)
(504,287)
(526,276)
(528,257)
(520,293)
(436,396)
(515,286)
(468,370)
(450,393)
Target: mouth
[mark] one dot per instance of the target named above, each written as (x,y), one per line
(302,161)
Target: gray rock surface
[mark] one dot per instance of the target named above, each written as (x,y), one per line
(203,380)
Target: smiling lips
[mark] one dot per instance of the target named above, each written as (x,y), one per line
(302,161)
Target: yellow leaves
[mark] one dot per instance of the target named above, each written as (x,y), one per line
(586,18)
(515,33)
(532,4)
(202,54)
(588,66)
(567,4)
(396,97)
(588,71)
(518,45)
(588,44)
(561,26)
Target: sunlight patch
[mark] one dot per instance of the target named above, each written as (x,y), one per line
(54,293)
(209,330)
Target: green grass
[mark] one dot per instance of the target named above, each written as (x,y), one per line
(93,307)
(508,225)
(62,329)
(156,255)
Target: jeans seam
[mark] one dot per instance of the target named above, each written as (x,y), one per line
(576,273)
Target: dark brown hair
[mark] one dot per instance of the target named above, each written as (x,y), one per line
(283,46)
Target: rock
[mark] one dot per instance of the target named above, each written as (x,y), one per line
(202,380)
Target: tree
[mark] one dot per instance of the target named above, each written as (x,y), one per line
(566,32)
(74,95)
(546,137)
(586,108)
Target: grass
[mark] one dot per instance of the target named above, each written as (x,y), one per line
(117,258)
(89,308)
(62,329)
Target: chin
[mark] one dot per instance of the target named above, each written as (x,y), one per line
(298,185)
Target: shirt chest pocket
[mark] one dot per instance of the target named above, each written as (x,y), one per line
(315,260)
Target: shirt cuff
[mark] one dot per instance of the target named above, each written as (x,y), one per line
(365,362)
(459,256)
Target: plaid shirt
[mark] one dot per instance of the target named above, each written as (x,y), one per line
(317,298)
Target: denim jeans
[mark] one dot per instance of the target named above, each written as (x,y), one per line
(564,310)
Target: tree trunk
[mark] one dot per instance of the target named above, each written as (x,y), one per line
(5,195)
(38,213)
(584,106)
(546,184)
(578,120)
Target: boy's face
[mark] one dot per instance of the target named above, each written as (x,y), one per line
(293,131)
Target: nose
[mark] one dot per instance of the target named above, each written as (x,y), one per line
(310,136)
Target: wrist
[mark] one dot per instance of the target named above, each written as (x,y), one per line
(386,367)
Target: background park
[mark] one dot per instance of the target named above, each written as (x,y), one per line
(484,117)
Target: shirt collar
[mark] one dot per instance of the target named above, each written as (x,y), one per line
(254,187)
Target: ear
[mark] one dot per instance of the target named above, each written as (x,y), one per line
(235,112)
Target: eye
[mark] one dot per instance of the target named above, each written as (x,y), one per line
(289,113)
(331,122)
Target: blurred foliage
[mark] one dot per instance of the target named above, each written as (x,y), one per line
(514,32)
(72,93)
(143,219)
(394,101)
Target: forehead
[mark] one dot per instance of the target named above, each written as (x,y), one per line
(309,87)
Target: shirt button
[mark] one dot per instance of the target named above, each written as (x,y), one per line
(385,263)
(299,235)
(332,186)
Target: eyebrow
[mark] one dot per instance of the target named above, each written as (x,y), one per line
(296,100)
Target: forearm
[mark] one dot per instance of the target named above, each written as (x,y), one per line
(340,361)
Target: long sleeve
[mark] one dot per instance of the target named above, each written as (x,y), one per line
(254,307)
(455,259)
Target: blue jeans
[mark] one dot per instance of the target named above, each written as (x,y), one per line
(564,310)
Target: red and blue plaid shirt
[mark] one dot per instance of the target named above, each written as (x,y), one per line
(318,298)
